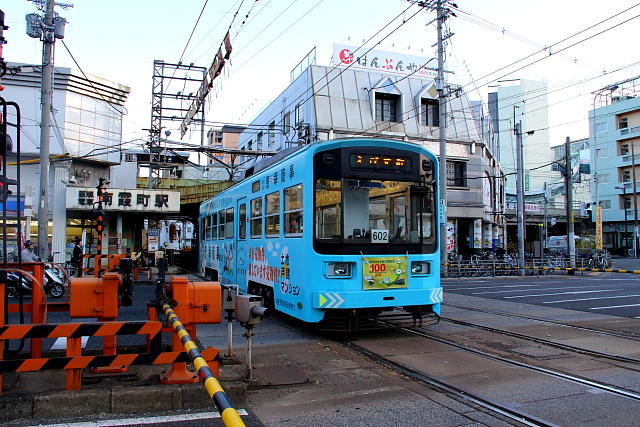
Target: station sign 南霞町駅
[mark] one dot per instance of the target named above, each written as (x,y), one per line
(124,199)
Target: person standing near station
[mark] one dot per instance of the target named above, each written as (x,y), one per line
(27,254)
(76,256)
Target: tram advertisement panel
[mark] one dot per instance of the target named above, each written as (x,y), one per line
(384,272)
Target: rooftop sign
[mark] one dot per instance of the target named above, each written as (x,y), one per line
(382,61)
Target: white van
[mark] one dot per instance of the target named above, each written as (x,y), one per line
(559,242)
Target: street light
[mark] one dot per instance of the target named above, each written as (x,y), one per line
(624,205)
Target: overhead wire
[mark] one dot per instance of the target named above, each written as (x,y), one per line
(124,109)
(548,48)
(344,69)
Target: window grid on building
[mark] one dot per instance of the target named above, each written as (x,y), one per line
(456,174)
(429,112)
(386,107)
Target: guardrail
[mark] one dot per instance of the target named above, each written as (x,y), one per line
(479,268)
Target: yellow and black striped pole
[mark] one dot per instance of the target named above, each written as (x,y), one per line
(229,415)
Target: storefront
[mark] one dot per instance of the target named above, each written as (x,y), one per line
(129,217)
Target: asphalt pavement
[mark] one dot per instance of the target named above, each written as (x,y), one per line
(301,379)
(615,294)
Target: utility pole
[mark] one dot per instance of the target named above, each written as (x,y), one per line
(520,196)
(635,201)
(544,228)
(571,240)
(46,95)
(442,131)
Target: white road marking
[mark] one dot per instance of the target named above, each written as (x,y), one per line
(588,299)
(614,306)
(488,287)
(145,420)
(561,293)
(540,289)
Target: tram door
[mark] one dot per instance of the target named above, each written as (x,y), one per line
(241,244)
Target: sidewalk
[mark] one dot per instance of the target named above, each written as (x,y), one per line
(626,263)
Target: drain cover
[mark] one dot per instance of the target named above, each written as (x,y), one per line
(539,352)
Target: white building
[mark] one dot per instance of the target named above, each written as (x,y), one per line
(524,101)
(371,99)
(86,140)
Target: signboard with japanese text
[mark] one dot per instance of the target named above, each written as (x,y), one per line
(528,207)
(152,237)
(382,61)
(599,227)
(384,272)
(124,199)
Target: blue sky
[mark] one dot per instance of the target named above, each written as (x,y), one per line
(118,40)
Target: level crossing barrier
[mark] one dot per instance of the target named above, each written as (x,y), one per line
(74,362)
(229,415)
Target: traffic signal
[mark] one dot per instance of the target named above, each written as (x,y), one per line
(101,185)
(4,188)
(4,191)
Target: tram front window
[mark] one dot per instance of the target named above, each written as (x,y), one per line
(371,212)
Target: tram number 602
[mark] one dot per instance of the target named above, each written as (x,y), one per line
(379,236)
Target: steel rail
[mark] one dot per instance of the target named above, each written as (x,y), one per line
(546,342)
(553,373)
(631,337)
(229,415)
(499,408)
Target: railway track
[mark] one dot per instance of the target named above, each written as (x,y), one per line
(575,349)
(461,394)
(547,371)
(618,334)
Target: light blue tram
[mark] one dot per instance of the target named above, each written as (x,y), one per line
(337,233)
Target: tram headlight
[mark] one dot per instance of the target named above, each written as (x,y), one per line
(338,269)
(420,268)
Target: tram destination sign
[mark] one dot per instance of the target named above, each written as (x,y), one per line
(379,162)
(124,200)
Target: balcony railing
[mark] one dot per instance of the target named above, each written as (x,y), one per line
(627,131)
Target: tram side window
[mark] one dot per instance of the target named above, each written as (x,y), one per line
(207,227)
(256,217)
(328,200)
(293,209)
(214,225)
(221,223)
(272,216)
(399,217)
(228,229)
(242,228)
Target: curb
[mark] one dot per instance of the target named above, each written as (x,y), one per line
(113,400)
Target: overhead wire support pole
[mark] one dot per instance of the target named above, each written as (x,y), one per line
(520,196)
(568,176)
(46,95)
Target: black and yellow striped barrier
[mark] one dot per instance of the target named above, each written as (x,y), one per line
(107,361)
(498,267)
(229,415)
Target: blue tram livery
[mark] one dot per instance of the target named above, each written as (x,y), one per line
(338,233)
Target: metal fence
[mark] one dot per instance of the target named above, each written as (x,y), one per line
(535,266)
